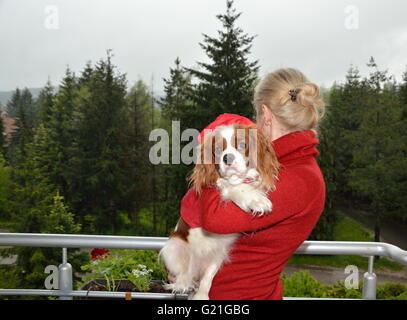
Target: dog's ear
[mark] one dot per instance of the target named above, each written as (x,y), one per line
(264,159)
(205,172)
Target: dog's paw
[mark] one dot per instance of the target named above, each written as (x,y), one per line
(200,296)
(168,286)
(179,287)
(260,205)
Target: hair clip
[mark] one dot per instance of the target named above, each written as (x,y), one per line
(293,95)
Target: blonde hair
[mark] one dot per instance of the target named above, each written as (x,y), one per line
(301,112)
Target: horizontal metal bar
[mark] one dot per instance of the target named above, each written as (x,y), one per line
(120,295)
(156,243)
(80,241)
(353,248)
(92,294)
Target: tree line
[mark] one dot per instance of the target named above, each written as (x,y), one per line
(78,162)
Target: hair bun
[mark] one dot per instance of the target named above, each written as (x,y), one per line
(293,99)
(308,94)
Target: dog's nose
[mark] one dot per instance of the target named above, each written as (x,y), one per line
(228,159)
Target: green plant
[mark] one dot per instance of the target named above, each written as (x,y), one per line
(141,277)
(138,266)
(302,284)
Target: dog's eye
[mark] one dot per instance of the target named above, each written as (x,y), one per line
(241,146)
(218,150)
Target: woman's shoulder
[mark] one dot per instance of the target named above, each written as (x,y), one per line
(305,173)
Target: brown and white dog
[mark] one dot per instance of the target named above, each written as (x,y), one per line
(240,161)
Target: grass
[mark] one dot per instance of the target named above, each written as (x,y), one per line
(347,229)
(6,224)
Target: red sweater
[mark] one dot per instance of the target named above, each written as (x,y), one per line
(259,256)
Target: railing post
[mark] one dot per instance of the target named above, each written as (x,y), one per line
(65,275)
(369,282)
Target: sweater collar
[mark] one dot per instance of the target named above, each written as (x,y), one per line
(296,145)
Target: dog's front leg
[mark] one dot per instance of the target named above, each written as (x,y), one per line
(248,198)
(206,282)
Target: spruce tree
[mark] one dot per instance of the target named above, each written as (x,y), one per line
(2,135)
(13,103)
(57,113)
(99,167)
(176,106)
(399,197)
(226,84)
(37,207)
(378,147)
(139,101)
(45,103)
(24,132)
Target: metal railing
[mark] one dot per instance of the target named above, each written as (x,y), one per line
(65,241)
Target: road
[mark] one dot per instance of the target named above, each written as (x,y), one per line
(391,232)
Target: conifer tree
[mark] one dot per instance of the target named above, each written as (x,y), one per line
(22,107)
(176,106)
(57,114)
(139,102)
(226,83)
(99,167)
(13,103)
(2,135)
(378,147)
(45,103)
(37,207)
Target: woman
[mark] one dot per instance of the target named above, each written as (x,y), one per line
(288,109)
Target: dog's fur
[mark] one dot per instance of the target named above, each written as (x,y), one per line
(241,163)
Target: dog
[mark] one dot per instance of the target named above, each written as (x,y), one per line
(240,162)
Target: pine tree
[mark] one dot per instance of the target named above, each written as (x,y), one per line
(399,196)
(2,135)
(86,74)
(324,229)
(5,189)
(225,85)
(345,110)
(57,114)
(99,181)
(377,155)
(176,106)
(29,104)
(24,132)
(37,208)
(139,102)
(45,103)
(13,103)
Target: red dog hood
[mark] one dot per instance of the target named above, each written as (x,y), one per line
(189,205)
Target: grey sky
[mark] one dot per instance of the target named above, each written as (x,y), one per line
(147,35)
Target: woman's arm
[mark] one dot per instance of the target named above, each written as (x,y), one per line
(291,196)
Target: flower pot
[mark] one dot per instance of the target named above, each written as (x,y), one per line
(156,286)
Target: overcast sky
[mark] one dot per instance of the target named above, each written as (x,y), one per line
(38,39)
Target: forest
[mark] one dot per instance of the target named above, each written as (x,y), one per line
(77,160)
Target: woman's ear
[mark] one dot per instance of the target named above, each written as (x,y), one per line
(267,115)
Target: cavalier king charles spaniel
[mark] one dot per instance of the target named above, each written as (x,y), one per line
(240,162)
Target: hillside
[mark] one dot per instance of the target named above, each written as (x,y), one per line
(6,95)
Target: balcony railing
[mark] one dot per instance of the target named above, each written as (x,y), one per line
(65,241)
